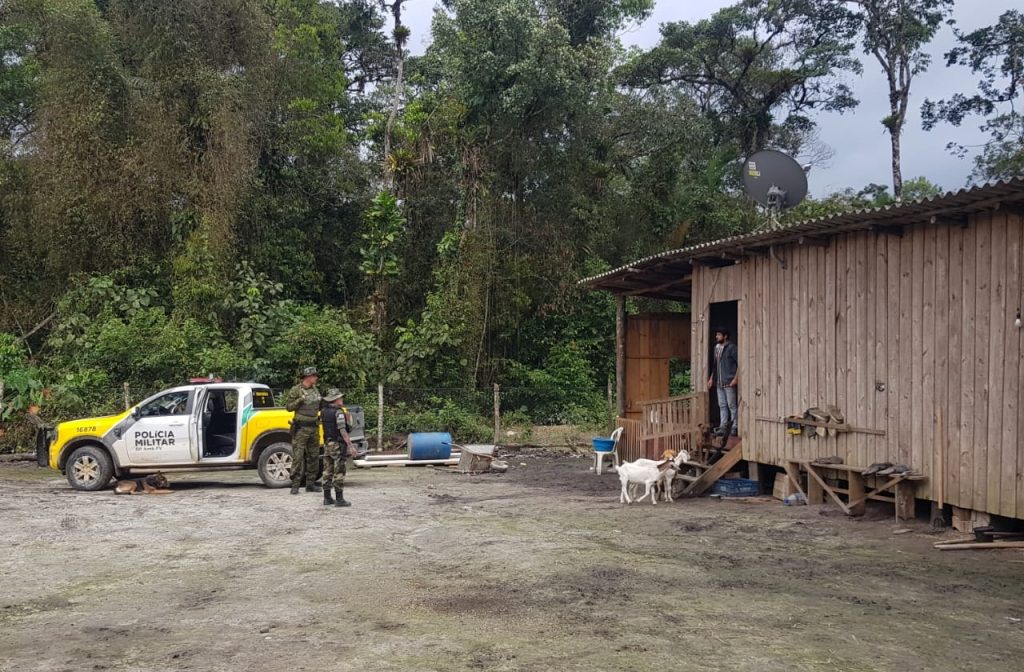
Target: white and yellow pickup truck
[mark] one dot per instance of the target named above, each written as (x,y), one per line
(197,427)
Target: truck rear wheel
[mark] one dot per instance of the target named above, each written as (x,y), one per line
(275,465)
(89,468)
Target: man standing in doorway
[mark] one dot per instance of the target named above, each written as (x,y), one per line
(725,378)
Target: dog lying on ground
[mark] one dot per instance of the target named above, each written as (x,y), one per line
(154,484)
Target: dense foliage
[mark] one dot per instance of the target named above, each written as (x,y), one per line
(245,187)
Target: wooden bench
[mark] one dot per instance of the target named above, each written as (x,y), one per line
(857,495)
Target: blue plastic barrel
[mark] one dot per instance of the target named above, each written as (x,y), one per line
(430,446)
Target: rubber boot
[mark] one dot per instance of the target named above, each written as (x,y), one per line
(328,500)
(295,490)
(341,498)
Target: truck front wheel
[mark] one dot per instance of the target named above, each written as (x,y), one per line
(275,465)
(89,468)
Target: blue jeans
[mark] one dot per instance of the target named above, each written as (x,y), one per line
(728,410)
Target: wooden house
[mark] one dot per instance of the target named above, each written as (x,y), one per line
(906,318)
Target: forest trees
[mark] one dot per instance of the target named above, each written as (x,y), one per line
(896,33)
(996,53)
(227,185)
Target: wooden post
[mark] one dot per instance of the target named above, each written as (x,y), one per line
(905,500)
(856,493)
(620,356)
(611,407)
(815,493)
(497,414)
(127,396)
(380,416)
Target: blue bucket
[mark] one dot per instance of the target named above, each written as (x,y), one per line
(604,445)
(430,446)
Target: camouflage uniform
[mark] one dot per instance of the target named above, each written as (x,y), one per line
(336,429)
(305,401)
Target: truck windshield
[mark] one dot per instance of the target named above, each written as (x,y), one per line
(262,399)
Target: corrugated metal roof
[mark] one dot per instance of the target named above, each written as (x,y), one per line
(951,205)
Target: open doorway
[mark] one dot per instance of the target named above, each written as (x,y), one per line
(723,315)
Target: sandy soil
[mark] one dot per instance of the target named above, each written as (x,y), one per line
(538,569)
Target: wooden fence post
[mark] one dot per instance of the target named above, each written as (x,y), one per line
(127,397)
(620,356)
(611,408)
(380,416)
(497,414)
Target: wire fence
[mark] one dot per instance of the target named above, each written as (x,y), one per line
(495,414)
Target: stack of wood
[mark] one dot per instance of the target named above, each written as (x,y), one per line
(984,538)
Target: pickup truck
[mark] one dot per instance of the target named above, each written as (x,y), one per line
(197,427)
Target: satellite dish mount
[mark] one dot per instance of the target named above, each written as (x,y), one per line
(775,181)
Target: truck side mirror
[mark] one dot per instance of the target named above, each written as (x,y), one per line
(136,412)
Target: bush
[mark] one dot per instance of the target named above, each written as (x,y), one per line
(322,338)
(562,392)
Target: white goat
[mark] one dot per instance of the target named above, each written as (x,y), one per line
(668,475)
(649,475)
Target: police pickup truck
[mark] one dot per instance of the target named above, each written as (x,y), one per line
(197,427)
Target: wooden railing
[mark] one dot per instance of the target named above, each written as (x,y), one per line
(665,424)
(629,444)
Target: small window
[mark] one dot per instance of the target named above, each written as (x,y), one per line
(230,401)
(262,399)
(172,403)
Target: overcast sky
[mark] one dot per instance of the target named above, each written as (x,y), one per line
(860,144)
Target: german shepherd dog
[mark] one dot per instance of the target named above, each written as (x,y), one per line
(154,484)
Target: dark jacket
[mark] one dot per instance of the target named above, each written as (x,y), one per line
(727,366)
(333,419)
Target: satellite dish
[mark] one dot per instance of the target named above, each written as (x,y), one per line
(775,180)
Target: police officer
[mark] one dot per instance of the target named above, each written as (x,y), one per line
(304,400)
(336,429)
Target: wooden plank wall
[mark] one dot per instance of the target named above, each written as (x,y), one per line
(890,329)
(652,340)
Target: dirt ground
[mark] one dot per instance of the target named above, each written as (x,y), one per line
(537,569)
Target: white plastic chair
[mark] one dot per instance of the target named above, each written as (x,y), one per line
(599,455)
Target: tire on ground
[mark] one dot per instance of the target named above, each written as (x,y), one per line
(89,468)
(275,464)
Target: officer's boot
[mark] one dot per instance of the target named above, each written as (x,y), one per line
(328,500)
(312,487)
(295,489)
(341,498)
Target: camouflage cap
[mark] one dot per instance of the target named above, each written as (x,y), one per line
(333,394)
(310,371)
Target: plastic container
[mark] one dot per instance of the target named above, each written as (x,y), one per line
(602,445)
(796,499)
(430,446)
(736,487)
